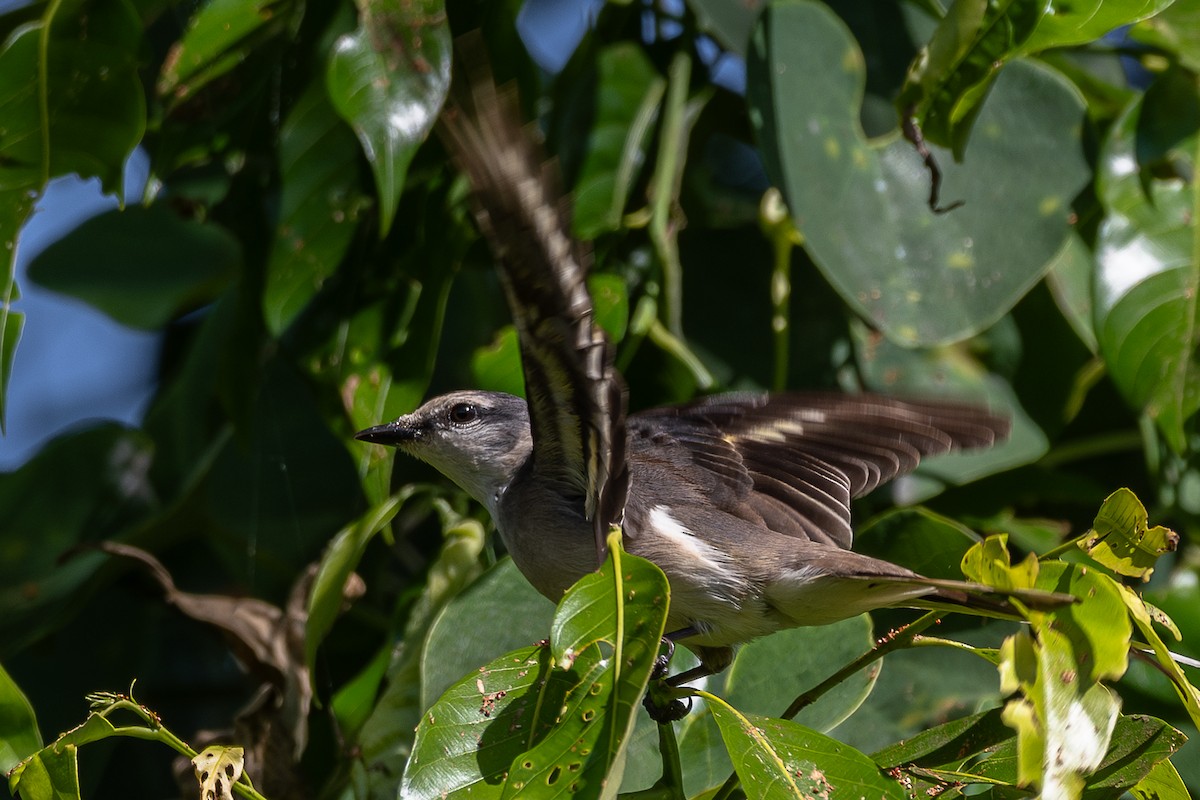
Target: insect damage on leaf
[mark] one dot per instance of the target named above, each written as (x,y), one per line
(217,769)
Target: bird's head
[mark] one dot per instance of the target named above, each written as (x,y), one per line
(477,439)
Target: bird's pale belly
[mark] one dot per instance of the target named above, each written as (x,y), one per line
(554,547)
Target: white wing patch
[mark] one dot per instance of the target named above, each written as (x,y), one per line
(684,541)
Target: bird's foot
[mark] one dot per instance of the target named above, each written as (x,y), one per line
(662,704)
(663,662)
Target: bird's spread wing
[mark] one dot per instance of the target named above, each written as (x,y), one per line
(576,397)
(794,461)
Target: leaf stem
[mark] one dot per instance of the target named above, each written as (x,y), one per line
(672,150)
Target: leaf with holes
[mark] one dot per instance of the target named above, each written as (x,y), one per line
(862,206)
(777,758)
(1148,254)
(217,770)
(622,610)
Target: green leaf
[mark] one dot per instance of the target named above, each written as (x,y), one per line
(388,79)
(1148,254)
(628,97)
(621,609)
(889,368)
(52,774)
(1161,783)
(553,716)
(1176,30)
(320,206)
(1122,540)
(1139,748)
(75,107)
(143,266)
(754,683)
(496,367)
(341,558)
(468,739)
(499,612)
(918,539)
(1073,23)
(1188,694)
(11,324)
(951,74)
(921,277)
(19,736)
(220,36)
(777,758)
(1070,281)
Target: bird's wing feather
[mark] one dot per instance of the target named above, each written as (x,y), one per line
(794,461)
(576,397)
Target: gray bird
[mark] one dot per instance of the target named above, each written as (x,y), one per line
(742,500)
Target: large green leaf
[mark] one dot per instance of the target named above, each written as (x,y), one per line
(143,266)
(70,96)
(70,102)
(555,715)
(1148,254)
(777,758)
(388,79)
(921,277)
(319,208)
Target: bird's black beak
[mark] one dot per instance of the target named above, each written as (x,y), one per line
(392,434)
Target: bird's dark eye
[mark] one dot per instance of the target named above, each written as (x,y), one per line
(462,413)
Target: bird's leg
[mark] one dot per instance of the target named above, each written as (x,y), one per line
(661,705)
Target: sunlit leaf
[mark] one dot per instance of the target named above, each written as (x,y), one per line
(1122,539)
(388,79)
(776,758)
(217,770)
(1075,22)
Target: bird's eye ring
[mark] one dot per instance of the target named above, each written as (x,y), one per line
(463,413)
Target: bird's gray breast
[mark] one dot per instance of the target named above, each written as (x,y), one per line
(546,534)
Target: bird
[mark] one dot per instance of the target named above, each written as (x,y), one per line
(743,500)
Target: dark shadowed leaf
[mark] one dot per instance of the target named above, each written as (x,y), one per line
(220,37)
(320,206)
(143,266)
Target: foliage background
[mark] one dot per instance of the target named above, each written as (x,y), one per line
(309,256)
